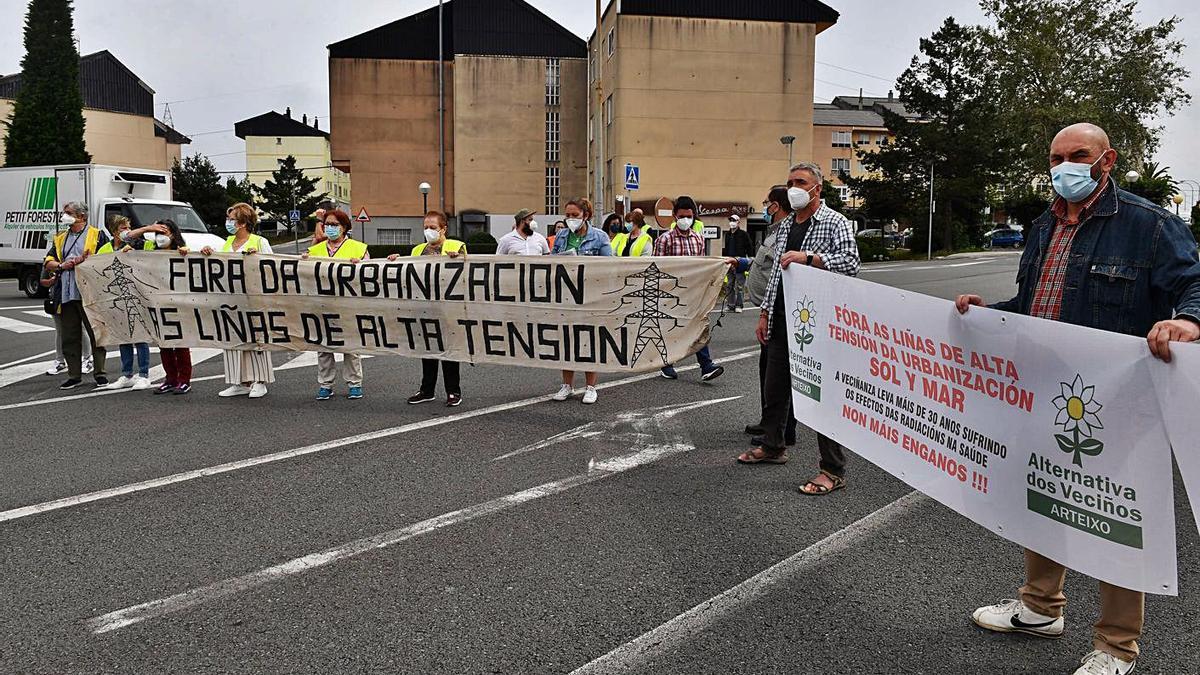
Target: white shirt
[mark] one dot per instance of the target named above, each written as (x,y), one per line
(514,244)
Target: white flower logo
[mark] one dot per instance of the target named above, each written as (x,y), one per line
(1077,408)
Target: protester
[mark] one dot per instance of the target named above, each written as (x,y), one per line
(635,242)
(612,226)
(580,239)
(682,240)
(737,245)
(559,226)
(247,371)
(336,243)
(776,208)
(71,247)
(817,236)
(126,238)
(47,281)
(436,243)
(524,239)
(1078,267)
(176,361)
(324,207)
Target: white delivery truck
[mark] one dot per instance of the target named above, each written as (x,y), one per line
(31,199)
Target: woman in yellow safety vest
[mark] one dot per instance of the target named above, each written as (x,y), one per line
(124,238)
(336,243)
(247,371)
(635,242)
(436,243)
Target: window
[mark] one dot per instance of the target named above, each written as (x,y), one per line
(883,140)
(552,136)
(608,110)
(394,237)
(843,192)
(841,164)
(841,139)
(553,80)
(591,67)
(552,191)
(858,168)
(611,42)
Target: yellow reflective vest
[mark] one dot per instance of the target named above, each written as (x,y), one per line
(350,248)
(89,242)
(635,249)
(255,242)
(618,242)
(448,246)
(147,245)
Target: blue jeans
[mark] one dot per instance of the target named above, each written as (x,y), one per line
(143,359)
(703,358)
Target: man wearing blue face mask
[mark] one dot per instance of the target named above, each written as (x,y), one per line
(1107,259)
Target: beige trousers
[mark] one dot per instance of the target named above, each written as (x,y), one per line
(327,370)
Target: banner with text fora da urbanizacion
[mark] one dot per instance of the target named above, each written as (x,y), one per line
(1047,434)
(597,314)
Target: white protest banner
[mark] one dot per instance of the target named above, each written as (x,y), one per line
(1047,434)
(599,314)
(1178,385)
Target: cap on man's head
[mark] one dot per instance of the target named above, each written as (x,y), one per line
(734,218)
(522,215)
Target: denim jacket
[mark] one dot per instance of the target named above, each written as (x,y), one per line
(1132,264)
(595,242)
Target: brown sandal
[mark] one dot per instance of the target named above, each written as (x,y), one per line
(818,490)
(761,456)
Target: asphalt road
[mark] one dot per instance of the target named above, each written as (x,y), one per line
(510,535)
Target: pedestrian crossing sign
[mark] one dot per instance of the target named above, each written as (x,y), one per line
(633,176)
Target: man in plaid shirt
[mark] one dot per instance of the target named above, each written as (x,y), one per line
(820,237)
(1107,259)
(682,239)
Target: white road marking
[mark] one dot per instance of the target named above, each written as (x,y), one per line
(17,326)
(41,313)
(16,374)
(234,585)
(141,486)
(27,358)
(23,307)
(636,654)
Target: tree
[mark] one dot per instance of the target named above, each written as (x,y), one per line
(1057,62)
(197,182)
(1196,221)
(46,126)
(288,188)
(1025,204)
(948,85)
(239,191)
(1154,184)
(831,196)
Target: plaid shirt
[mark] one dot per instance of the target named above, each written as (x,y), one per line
(830,235)
(1047,296)
(676,242)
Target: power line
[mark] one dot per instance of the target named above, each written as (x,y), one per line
(839,85)
(235,93)
(859,72)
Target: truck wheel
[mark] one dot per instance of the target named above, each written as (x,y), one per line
(29,283)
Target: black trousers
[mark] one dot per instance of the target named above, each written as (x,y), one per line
(777,402)
(429,376)
(789,434)
(74,323)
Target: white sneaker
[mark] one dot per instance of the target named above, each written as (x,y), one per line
(58,368)
(564,393)
(141,383)
(1012,616)
(235,390)
(123,382)
(590,395)
(88,366)
(1103,663)
(258,390)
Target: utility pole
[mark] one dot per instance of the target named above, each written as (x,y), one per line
(599,128)
(932,207)
(295,226)
(441,112)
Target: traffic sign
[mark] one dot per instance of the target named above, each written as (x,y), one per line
(363,216)
(294,215)
(633,176)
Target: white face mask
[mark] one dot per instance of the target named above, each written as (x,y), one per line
(684,223)
(573,224)
(432,235)
(533,225)
(733,225)
(799,198)
(66,219)
(162,240)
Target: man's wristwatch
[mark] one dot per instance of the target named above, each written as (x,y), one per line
(809,260)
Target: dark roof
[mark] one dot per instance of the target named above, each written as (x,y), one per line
(836,117)
(470,27)
(794,11)
(874,103)
(106,84)
(162,130)
(275,124)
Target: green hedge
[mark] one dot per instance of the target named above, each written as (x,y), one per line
(870,249)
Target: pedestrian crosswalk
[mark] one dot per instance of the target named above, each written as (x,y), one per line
(18,326)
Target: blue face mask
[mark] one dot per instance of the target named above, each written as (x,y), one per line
(1073,180)
(231,226)
(629,227)
(332,232)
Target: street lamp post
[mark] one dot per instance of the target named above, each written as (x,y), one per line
(1133,176)
(1178,199)
(932,207)
(787,141)
(424,189)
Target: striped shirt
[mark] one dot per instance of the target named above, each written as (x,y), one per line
(1047,296)
(831,235)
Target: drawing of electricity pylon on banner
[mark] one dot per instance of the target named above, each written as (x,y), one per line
(650,292)
(125,295)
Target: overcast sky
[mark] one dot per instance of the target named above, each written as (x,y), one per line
(220,61)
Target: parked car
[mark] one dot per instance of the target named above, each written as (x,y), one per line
(891,239)
(1003,237)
